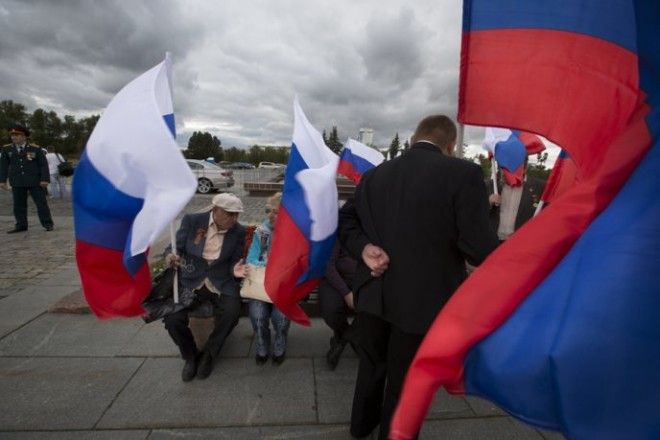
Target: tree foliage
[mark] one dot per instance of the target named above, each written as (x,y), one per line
(395,146)
(256,154)
(67,136)
(333,141)
(202,145)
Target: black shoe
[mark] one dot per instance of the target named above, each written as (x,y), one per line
(15,230)
(337,346)
(261,359)
(189,370)
(205,366)
(49,228)
(277,360)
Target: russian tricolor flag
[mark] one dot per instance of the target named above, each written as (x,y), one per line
(306,226)
(510,148)
(568,339)
(131,182)
(356,159)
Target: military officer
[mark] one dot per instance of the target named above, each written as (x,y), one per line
(27,169)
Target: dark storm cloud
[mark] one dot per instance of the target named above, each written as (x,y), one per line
(239,63)
(62,52)
(392,52)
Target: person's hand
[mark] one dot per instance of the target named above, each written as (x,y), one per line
(3,185)
(348,298)
(495,199)
(376,259)
(241,270)
(43,184)
(172,260)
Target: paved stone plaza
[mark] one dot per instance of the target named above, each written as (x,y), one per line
(72,376)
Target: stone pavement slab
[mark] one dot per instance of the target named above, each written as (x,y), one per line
(483,407)
(335,395)
(493,428)
(326,432)
(22,307)
(238,392)
(75,435)
(152,340)
(58,393)
(70,335)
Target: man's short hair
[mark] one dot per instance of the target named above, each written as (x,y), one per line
(438,129)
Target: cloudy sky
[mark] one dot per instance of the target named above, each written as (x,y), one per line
(382,64)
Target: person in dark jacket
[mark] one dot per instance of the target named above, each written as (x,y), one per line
(26,167)
(415,221)
(514,205)
(336,299)
(209,247)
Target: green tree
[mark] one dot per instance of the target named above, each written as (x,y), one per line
(538,169)
(333,141)
(234,154)
(202,145)
(406,145)
(45,128)
(86,127)
(395,146)
(72,136)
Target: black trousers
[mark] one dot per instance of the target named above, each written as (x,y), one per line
(20,205)
(226,311)
(333,308)
(385,353)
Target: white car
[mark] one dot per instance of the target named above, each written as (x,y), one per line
(210,177)
(271,165)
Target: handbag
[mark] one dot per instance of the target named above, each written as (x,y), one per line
(253,285)
(64,168)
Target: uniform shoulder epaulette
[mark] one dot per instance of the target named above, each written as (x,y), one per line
(34,145)
(6,145)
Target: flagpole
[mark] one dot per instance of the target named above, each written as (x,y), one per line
(539,207)
(493,175)
(175,287)
(459,140)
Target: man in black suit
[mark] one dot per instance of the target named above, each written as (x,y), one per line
(209,247)
(26,167)
(415,221)
(514,205)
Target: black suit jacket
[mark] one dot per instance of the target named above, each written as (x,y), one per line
(531,195)
(27,168)
(429,212)
(190,240)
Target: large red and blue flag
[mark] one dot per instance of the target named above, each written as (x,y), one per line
(131,181)
(559,325)
(306,226)
(562,177)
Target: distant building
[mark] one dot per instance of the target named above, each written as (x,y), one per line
(366,136)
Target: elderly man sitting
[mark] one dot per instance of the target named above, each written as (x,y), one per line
(209,247)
